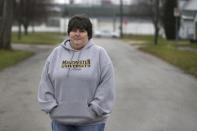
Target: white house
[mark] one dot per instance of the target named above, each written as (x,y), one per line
(188,21)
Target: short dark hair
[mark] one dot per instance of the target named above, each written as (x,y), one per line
(80,22)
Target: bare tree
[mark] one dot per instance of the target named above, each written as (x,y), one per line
(6,23)
(156,15)
(1,12)
(151,9)
(163,14)
(31,11)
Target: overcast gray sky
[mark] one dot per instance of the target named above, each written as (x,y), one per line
(94,1)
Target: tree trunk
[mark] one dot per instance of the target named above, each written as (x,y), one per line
(156,35)
(33,29)
(156,21)
(25,28)
(169,19)
(19,30)
(6,24)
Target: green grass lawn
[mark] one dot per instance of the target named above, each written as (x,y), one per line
(39,38)
(138,37)
(169,51)
(185,43)
(11,57)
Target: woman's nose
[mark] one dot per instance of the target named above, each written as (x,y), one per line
(77,32)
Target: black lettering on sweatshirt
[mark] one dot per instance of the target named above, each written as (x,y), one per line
(76,64)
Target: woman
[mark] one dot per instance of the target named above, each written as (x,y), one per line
(77,83)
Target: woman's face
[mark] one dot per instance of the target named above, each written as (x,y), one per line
(78,38)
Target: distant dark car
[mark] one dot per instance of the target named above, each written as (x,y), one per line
(106,34)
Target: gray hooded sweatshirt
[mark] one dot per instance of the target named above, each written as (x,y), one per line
(77,87)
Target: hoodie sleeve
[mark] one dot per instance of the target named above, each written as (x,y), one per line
(46,97)
(105,92)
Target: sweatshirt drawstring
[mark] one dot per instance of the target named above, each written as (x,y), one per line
(78,58)
(70,60)
(76,68)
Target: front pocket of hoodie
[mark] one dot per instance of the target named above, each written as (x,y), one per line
(73,113)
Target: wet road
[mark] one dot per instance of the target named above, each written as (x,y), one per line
(151,94)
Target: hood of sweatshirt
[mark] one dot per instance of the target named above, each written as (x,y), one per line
(66,45)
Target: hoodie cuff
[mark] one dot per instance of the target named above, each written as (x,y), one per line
(49,108)
(97,109)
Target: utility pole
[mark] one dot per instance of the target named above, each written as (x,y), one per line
(121,18)
(176,15)
(19,8)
